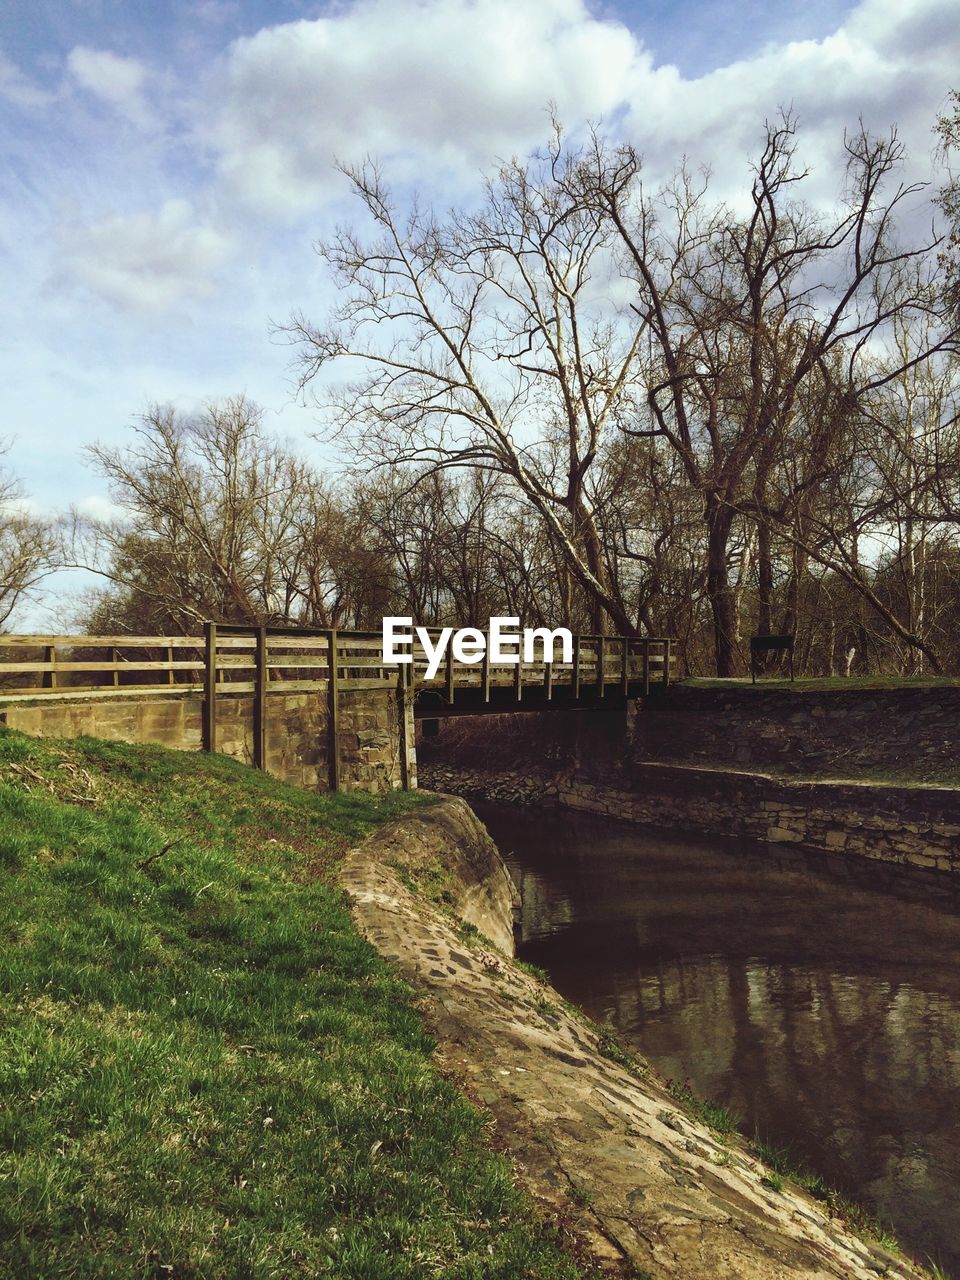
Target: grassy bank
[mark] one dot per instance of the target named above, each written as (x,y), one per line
(204,1071)
(821,684)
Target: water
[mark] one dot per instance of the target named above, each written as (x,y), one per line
(817,997)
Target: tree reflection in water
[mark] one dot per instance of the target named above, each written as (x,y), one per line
(816,996)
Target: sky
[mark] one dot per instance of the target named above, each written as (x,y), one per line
(167,168)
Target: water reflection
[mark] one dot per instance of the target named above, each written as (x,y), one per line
(817,997)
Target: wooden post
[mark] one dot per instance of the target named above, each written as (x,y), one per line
(666,662)
(404,741)
(260,702)
(171,674)
(601,674)
(625,673)
(210,687)
(646,667)
(485,670)
(49,680)
(114,658)
(576,667)
(450,683)
(333,713)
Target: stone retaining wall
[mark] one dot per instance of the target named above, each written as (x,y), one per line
(919,826)
(832,731)
(369,730)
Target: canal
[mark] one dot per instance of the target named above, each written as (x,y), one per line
(816,997)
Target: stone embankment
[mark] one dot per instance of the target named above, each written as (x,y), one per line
(601,1144)
(373,728)
(919,826)
(838,732)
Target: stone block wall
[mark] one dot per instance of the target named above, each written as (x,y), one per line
(919,826)
(172,721)
(841,732)
(696,759)
(804,731)
(297,738)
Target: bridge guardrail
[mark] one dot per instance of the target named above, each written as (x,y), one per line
(231,659)
(298,659)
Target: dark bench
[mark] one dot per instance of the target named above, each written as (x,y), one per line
(764,644)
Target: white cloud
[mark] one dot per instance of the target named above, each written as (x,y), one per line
(23,506)
(18,88)
(146,261)
(113,79)
(439,88)
(461,80)
(97,507)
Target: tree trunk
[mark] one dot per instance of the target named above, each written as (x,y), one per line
(720,591)
(764,579)
(764,588)
(608,607)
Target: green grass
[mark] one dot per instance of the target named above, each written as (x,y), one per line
(713,1114)
(819,684)
(782,1166)
(204,1071)
(612,1047)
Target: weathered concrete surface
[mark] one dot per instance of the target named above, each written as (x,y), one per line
(646,1186)
(447,852)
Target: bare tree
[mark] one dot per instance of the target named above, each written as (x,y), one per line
(948,133)
(27,547)
(485,340)
(743,314)
(221,522)
(574,304)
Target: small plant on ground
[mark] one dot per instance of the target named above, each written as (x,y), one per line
(782,1166)
(546,1007)
(713,1114)
(580,1195)
(612,1047)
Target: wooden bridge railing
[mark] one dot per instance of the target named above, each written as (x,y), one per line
(242,659)
(262,661)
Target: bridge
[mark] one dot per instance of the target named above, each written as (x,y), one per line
(252,691)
